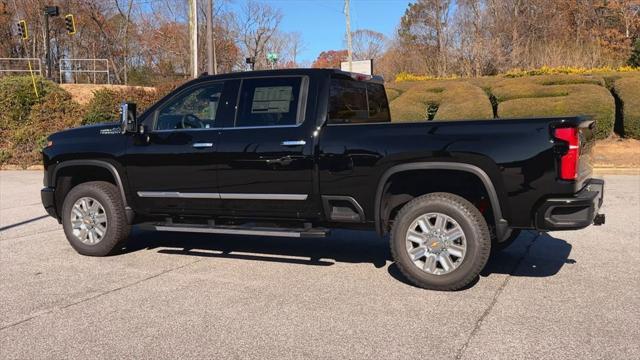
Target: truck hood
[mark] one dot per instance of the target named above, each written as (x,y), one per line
(85,132)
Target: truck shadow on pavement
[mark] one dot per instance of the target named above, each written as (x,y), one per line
(341,246)
(531,255)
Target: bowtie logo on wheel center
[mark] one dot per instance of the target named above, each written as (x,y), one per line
(436,245)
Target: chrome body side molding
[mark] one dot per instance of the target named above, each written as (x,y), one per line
(221,196)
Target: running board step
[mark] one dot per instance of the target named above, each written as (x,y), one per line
(245,230)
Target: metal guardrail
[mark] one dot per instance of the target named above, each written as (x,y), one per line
(67,68)
(27,68)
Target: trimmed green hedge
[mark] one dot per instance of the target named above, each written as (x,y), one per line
(441,100)
(628,91)
(556,95)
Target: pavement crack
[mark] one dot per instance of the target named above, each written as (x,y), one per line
(51,310)
(494,300)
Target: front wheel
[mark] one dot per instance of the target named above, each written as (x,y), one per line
(440,241)
(93,218)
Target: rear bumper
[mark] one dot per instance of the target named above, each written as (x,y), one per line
(573,212)
(47,195)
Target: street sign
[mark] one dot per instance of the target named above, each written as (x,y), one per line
(272,57)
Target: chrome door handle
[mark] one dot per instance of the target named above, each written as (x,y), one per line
(293,143)
(202,145)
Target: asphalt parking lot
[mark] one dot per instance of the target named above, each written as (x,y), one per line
(556,295)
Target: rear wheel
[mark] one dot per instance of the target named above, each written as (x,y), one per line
(93,218)
(440,241)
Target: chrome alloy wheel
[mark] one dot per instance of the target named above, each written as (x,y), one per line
(436,243)
(88,220)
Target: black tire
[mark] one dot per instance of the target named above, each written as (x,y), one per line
(499,246)
(117,229)
(470,221)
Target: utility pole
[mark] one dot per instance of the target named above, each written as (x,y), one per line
(349,48)
(193,31)
(212,67)
(48,11)
(47,48)
(215,59)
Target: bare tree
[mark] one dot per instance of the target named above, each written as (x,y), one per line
(368,44)
(125,14)
(425,27)
(296,45)
(257,25)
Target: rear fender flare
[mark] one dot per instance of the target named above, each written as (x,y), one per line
(502,226)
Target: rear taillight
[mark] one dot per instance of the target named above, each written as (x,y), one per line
(569,161)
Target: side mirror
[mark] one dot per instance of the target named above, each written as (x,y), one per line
(128,120)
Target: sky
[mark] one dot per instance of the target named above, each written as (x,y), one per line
(322,22)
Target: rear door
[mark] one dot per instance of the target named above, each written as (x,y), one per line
(173,168)
(267,162)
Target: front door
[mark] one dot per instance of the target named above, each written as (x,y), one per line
(267,154)
(172,169)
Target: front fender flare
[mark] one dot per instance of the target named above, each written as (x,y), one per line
(103,164)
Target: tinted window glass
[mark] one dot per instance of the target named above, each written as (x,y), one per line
(269,102)
(195,108)
(353,101)
(378,105)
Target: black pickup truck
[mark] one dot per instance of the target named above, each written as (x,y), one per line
(296,153)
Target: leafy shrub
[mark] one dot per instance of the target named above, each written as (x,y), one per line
(628,91)
(55,112)
(105,104)
(103,107)
(17,96)
(17,99)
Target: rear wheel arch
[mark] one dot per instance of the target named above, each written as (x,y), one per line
(470,170)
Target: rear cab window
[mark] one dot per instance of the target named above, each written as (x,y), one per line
(357,102)
(271,101)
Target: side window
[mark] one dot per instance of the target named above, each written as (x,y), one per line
(270,102)
(194,108)
(378,104)
(353,101)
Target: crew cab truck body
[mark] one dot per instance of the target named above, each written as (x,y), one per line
(298,152)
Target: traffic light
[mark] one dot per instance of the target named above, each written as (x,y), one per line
(23,31)
(70,24)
